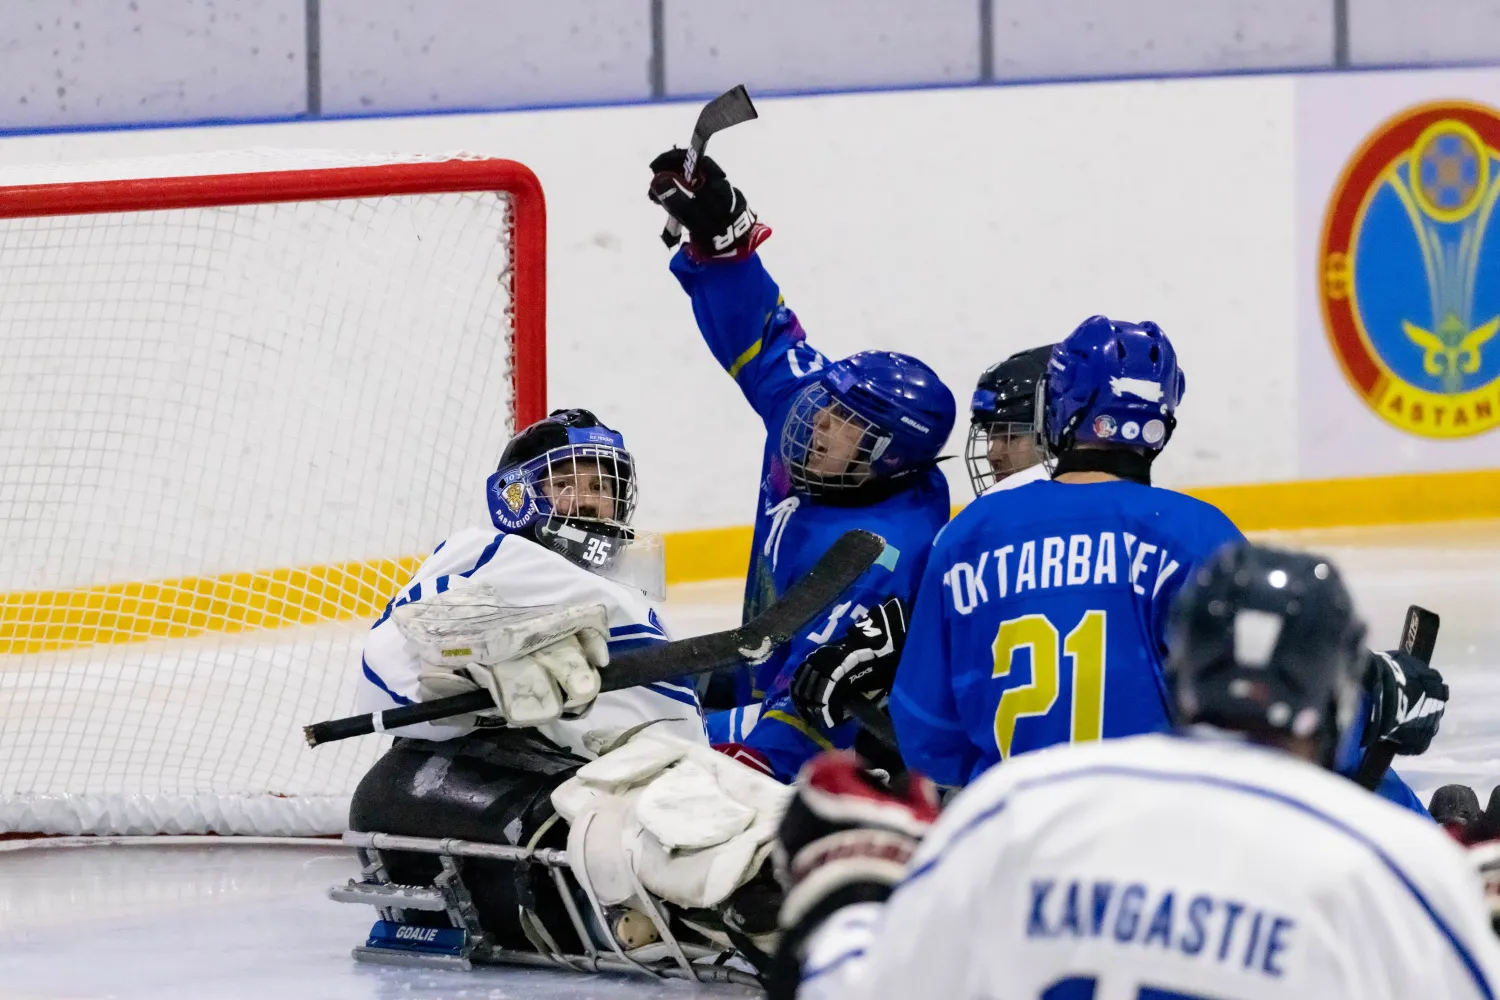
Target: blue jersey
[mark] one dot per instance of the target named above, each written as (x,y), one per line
(1041,619)
(760,343)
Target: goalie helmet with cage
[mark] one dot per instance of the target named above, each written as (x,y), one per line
(568,483)
(1002,418)
(874,416)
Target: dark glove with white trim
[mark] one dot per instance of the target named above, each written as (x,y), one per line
(861,664)
(1407,700)
(715,213)
(846,836)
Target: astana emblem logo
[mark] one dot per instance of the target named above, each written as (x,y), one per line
(1410,270)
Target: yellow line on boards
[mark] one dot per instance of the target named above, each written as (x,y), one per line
(1371,500)
(38,621)
(717,553)
(43,620)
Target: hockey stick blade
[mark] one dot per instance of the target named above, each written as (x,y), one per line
(845,562)
(730,108)
(1418,638)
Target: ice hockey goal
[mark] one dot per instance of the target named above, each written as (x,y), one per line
(241,396)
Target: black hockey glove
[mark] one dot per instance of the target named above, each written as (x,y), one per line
(1407,699)
(846,838)
(861,664)
(713,211)
(1456,809)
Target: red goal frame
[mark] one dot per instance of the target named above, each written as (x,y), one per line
(528,238)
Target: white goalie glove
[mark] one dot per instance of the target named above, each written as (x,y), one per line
(538,663)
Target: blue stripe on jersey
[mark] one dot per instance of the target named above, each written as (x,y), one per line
(808,977)
(1233,786)
(616,631)
(442,582)
(624,636)
(682,694)
(374,678)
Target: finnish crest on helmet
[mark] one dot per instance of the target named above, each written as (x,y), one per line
(512,504)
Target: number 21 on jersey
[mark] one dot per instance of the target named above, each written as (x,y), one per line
(1083,647)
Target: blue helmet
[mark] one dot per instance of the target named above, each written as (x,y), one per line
(873,416)
(1111,382)
(567,483)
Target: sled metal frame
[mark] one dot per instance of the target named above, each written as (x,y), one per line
(449,895)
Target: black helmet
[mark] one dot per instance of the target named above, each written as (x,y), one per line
(1003,411)
(1265,641)
(568,483)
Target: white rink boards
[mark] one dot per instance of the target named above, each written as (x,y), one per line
(245,923)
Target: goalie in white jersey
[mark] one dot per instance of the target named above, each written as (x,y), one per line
(561,581)
(561,501)
(1224,862)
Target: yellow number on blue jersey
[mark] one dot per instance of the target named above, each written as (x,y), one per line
(1084,646)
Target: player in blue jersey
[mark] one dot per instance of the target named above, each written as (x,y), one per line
(849,444)
(1041,618)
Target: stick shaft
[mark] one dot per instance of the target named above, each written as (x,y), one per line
(1418,639)
(874,721)
(839,567)
(730,108)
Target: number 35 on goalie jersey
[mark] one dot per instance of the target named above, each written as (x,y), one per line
(1041,619)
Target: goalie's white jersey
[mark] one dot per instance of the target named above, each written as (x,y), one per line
(1168,868)
(530,576)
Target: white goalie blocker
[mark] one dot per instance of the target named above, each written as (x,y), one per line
(538,663)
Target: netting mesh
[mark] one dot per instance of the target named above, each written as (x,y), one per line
(226,435)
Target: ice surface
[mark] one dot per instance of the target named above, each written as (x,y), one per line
(237,923)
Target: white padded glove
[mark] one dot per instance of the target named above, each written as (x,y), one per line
(556,680)
(537,663)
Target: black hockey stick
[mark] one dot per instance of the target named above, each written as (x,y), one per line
(1418,638)
(872,720)
(730,108)
(845,562)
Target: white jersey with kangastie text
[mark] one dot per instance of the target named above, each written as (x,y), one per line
(1168,868)
(532,576)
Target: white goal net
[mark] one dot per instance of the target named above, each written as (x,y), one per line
(241,396)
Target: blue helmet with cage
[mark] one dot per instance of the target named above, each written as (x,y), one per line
(874,416)
(1111,383)
(568,483)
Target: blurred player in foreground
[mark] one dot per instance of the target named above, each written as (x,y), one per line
(1225,861)
(849,444)
(1002,451)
